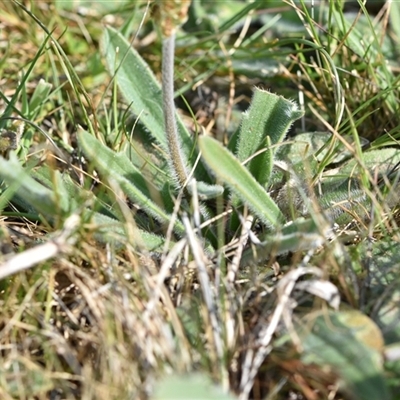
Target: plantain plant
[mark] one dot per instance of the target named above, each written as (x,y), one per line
(162,159)
(295,188)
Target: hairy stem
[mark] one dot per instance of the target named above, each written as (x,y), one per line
(174,147)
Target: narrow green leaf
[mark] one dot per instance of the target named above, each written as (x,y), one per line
(206,191)
(117,166)
(343,199)
(10,104)
(69,191)
(231,173)
(265,124)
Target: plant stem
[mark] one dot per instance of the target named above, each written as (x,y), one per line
(174,147)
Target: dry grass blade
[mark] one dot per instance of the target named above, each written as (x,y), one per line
(207,288)
(61,243)
(255,357)
(244,236)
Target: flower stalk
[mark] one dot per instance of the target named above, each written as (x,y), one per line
(172,14)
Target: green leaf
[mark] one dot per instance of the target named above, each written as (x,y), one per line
(232,174)
(112,230)
(394,16)
(70,191)
(189,387)
(139,86)
(10,103)
(351,345)
(39,96)
(344,199)
(30,191)
(301,234)
(265,124)
(383,259)
(313,147)
(118,167)
(382,160)
(102,8)
(207,191)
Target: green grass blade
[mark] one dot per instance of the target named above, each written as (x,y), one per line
(241,14)
(231,173)
(10,104)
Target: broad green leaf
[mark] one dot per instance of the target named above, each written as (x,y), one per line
(240,181)
(156,168)
(142,153)
(264,125)
(339,192)
(139,86)
(118,167)
(344,199)
(54,180)
(381,160)
(189,387)
(254,62)
(315,146)
(70,191)
(341,199)
(351,345)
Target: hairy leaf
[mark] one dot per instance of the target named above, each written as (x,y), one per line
(139,86)
(264,125)
(118,167)
(240,181)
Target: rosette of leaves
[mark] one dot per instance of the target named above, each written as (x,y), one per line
(142,168)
